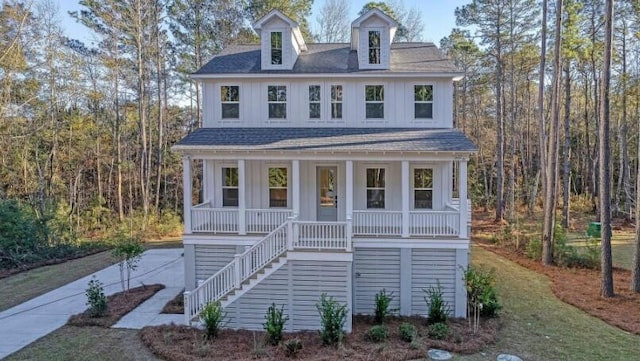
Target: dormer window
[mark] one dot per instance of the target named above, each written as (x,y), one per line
(276,48)
(374,47)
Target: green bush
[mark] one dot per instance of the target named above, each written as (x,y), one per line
(96,300)
(566,255)
(333,316)
(292,347)
(438,331)
(481,291)
(382,301)
(274,324)
(408,332)
(533,249)
(377,333)
(128,249)
(213,318)
(438,307)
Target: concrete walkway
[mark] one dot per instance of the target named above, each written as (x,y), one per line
(27,322)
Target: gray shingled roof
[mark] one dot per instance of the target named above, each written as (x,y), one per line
(328,139)
(331,58)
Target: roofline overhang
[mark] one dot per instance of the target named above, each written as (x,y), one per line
(455,76)
(206,151)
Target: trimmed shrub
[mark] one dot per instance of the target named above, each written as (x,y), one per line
(377,333)
(292,347)
(213,318)
(333,316)
(481,291)
(438,331)
(408,332)
(382,301)
(274,324)
(96,300)
(438,307)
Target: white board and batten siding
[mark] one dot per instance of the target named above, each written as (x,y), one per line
(375,269)
(298,286)
(430,267)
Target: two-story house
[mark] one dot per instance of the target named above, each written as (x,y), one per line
(327,168)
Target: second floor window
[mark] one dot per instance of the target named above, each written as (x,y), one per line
(375,187)
(276,48)
(423,188)
(374,101)
(277,99)
(230,97)
(314,101)
(336,102)
(423,97)
(374,47)
(229,187)
(278,187)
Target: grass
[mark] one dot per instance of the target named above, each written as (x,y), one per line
(71,343)
(538,326)
(29,284)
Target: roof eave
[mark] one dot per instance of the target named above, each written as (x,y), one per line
(455,76)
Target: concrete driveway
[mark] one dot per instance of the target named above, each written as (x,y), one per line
(27,322)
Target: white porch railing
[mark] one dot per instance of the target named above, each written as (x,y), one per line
(322,235)
(377,223)
(214,220)
(434,223)
(266,220)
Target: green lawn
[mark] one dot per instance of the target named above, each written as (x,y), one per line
(27,285)
(622,247)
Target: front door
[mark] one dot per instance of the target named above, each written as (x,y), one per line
(327,194)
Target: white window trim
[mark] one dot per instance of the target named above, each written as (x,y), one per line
(223,186)
(281,48)
(410,104)
(265,92)
(308,102)
(330,102)
(414,102)
(289,180)
(380,32)
(239,102)
(366,188)
(384,101)
(435,198)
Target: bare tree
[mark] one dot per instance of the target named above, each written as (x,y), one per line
(334,22)
(606,286)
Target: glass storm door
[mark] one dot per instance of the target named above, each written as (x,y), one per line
(327,194)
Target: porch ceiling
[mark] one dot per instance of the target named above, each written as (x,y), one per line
(327,140)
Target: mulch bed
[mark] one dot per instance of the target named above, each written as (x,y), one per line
(175,305)
(182,343)
(119,304)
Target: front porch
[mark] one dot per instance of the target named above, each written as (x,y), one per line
(337,199)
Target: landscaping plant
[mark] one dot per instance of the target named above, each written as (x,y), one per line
(438,307)
(333,316)
(481,295)
(408,332)
(377,333)
(382,301)
(213,318)
(96,300)
(438,331)
(292,347)
(274,324)
(129,251)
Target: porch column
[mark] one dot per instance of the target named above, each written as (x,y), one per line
(186,192)
(348,204)
(209,178)
(462,193)
(242,216)
(405,198)
(295,189)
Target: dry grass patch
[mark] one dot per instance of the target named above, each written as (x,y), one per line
(181,343)
(119,304)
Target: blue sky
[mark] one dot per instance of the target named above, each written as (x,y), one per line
(437,15)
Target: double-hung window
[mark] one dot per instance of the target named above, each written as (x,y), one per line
(230,99)
(277,100)
(314,101)
(423,188)
(229,187)
(374,101)
(375,187)
(374,47)
(423,101)
(278,187)
(336,102)
(276,48)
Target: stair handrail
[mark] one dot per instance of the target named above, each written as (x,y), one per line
(231,276)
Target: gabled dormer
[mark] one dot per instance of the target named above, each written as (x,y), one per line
(280,41)
(371,36)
